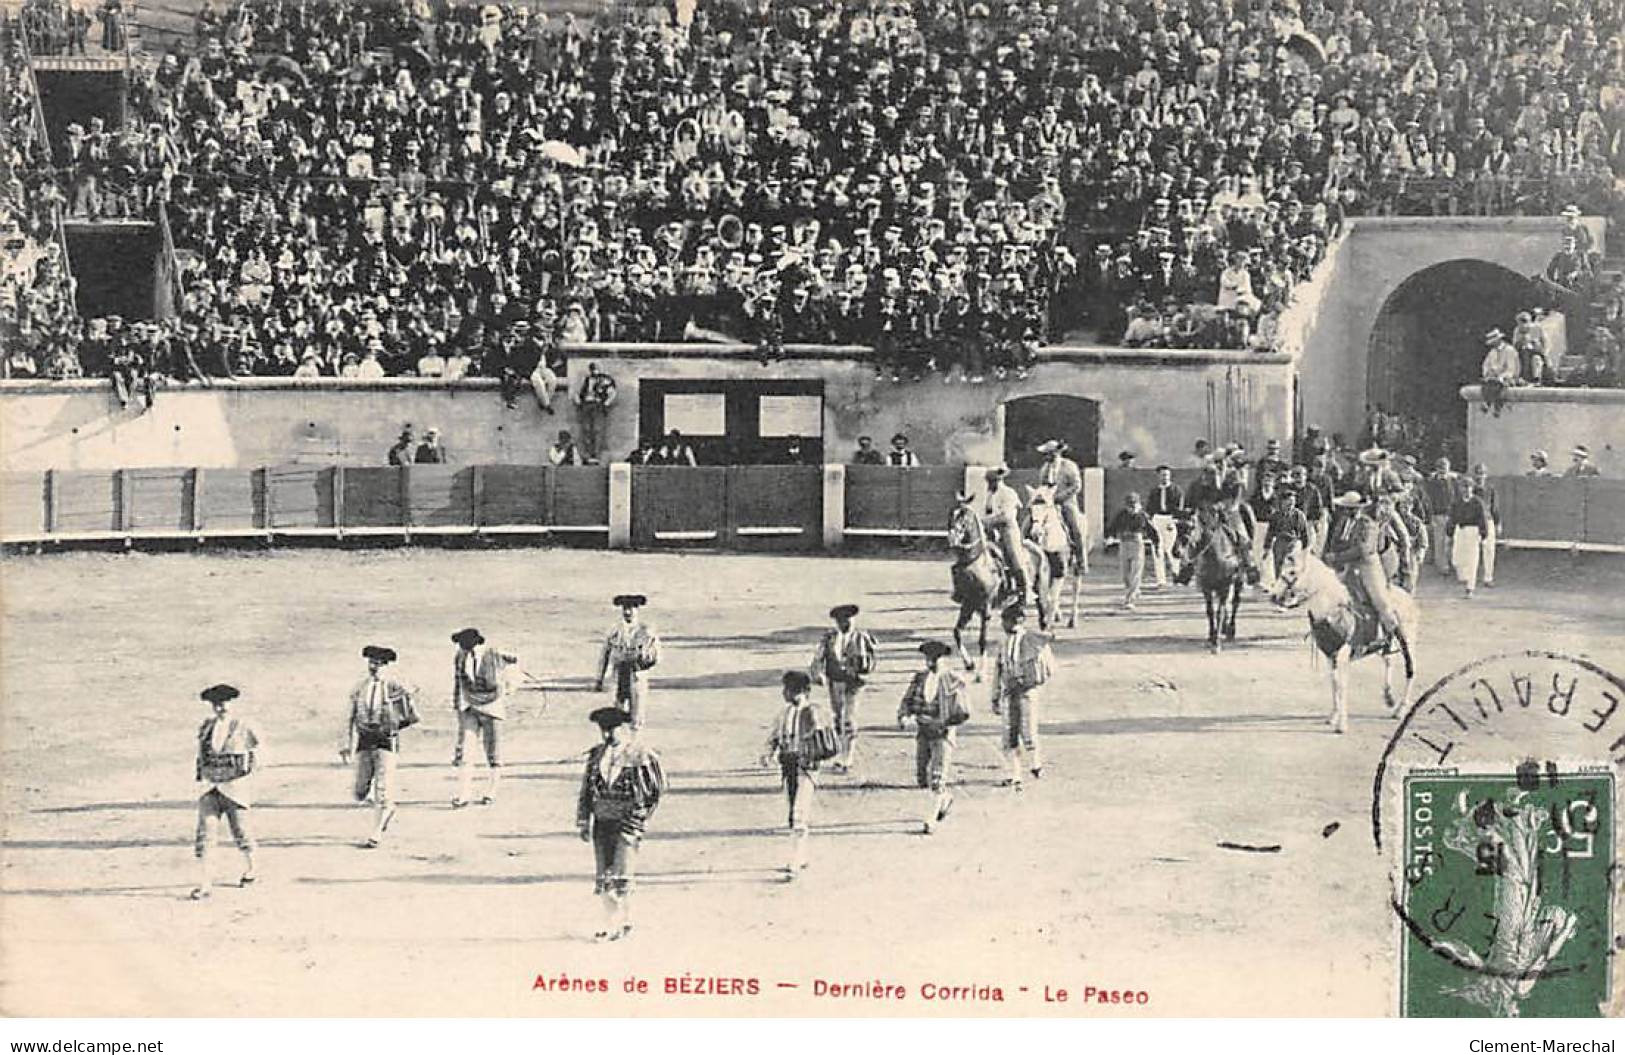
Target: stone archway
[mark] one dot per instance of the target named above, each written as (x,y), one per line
(1330,323)
(1030,420)
(1428,340)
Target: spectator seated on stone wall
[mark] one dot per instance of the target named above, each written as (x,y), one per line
(1571,271)
(1146,326)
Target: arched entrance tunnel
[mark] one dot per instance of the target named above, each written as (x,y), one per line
(1428,341)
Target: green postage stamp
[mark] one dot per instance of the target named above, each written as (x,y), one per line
(1507,901)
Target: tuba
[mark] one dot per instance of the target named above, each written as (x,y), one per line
(731,231)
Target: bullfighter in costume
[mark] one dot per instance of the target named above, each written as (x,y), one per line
(1025,663)
(1064,475)
(479,696)
(630,651)
(380,707)
(1354,547)
(844,657)
(801,739)
(620,791)
(1001,514)
(936,701)
(227,759)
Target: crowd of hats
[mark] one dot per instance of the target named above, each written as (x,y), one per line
(55,27)
(34,288)
(952,183)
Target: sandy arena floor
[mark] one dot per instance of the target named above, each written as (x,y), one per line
(1105,874)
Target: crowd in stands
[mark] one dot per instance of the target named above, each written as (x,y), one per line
(1593,306)
(64,27)
(952,183)
(1593,311)
(36,293)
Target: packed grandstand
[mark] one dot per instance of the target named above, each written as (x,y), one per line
(354,189)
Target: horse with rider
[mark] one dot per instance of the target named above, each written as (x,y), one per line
(1213,547)
(1356,594)
(995,561)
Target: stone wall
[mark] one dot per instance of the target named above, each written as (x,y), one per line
(1154,403)
(1550,419)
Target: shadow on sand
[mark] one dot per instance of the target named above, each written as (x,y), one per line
(190,805)
(149,844)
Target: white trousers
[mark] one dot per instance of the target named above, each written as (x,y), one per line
(1164,525)
(543,382)
(1464,554)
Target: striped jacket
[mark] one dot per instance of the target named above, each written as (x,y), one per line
(230,766)
(371,723)
(795,737)
(936,715)
(629,796)
(486,689)
(843,666)
(1033,664)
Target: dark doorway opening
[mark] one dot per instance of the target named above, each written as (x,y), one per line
(1031,420)
(116,267)
(1428,341)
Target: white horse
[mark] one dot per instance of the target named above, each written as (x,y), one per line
(1342,634)
(1047,531)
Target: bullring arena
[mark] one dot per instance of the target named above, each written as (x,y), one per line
(328,327)
(1107,873)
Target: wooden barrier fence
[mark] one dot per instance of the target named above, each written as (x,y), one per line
(885,502)
(293,501)
(772,508)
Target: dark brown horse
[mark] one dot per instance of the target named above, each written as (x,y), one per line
(1214,563)
(981,584)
